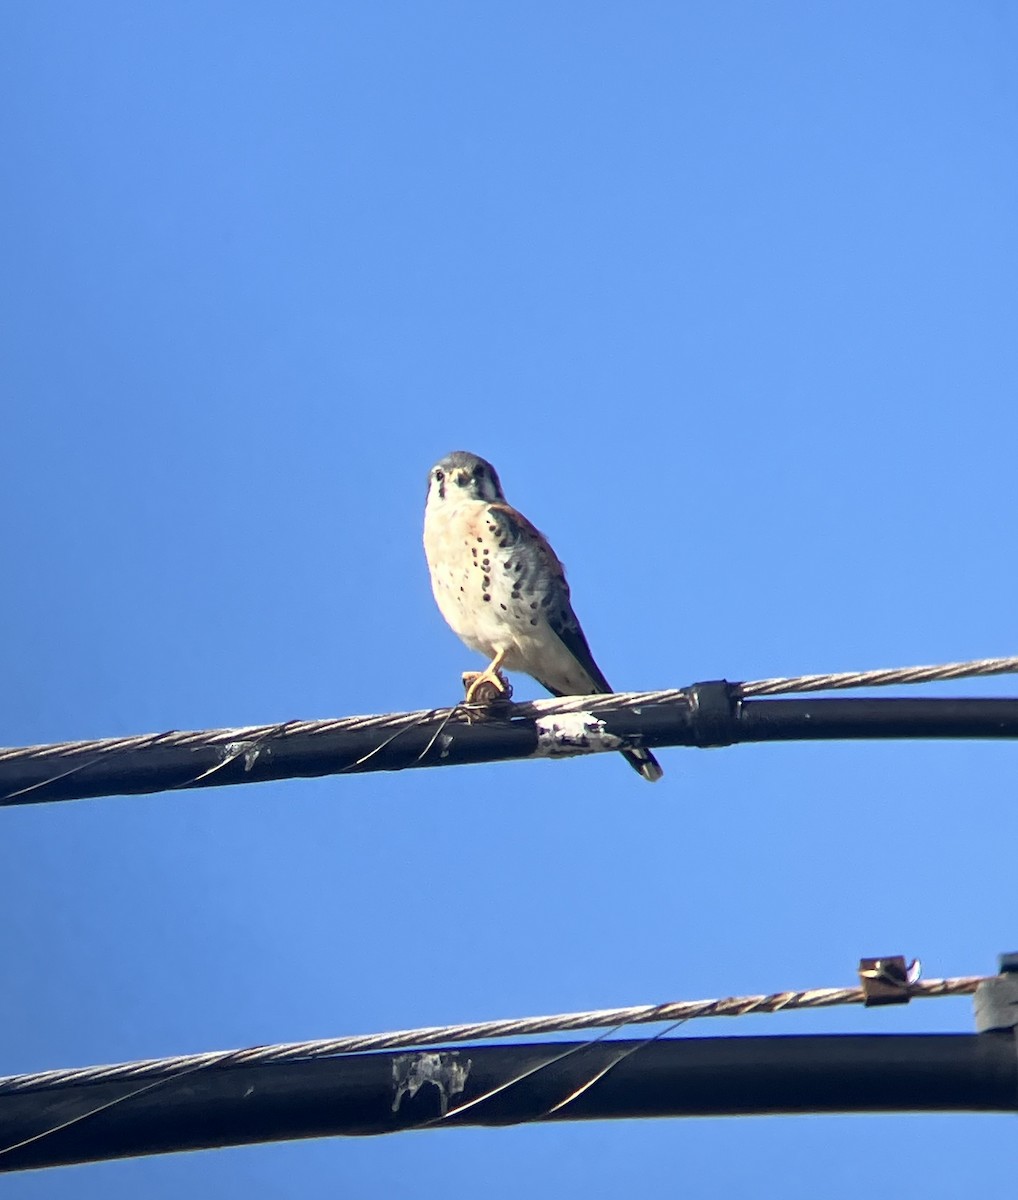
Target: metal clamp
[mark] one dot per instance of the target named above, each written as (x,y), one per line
(713,711)
(996,1000)
(888,980)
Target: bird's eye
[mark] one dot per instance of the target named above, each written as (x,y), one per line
(439,476)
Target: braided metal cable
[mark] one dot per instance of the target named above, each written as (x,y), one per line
(238,742)
(854,679)
(681,1010)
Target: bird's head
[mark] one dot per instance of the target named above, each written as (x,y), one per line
(463,476)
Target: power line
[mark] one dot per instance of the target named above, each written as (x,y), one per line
(902,990)
(709,714)
(320,1088)
(506,1085)
(935,673)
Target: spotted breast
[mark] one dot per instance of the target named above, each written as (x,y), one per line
(502,589)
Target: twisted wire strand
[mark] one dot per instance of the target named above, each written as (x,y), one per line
(910,675)
(238,740)
(681,1010)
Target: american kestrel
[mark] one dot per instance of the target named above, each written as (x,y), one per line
(503,591)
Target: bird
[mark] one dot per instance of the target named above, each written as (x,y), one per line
(503,591)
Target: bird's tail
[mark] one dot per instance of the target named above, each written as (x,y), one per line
(645,763)
(642,761)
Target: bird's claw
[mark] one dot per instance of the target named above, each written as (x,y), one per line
(486,687)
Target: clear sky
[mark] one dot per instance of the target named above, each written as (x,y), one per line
(726,291)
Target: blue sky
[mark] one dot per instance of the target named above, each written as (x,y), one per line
(726,292)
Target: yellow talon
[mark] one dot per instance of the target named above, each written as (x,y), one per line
(489,685)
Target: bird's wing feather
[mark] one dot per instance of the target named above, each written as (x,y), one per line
(514,527)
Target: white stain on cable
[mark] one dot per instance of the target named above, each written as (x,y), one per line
(410,1072)
(251,751)
(572,733)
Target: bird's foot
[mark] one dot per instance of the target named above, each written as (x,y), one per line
(487,687)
